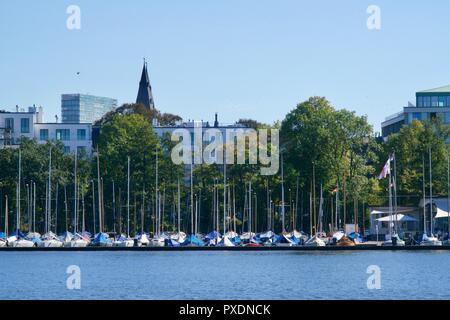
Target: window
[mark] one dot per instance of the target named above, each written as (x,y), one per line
(63,134)
(9,124)
(426,101)
(43,134)
(66,149)
(434,101)
(420,102)
(25,125)
(81,134)
(417,116)
(447,117)
(441,101)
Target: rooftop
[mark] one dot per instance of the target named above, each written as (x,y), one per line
(437,90)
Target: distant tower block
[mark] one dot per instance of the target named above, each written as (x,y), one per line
(145,95)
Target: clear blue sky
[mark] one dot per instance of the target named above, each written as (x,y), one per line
(251,58)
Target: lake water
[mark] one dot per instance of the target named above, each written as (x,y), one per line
(225,275)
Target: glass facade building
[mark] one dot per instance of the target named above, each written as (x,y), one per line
(430,104)
(82,108)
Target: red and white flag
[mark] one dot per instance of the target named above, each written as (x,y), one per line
(386,169)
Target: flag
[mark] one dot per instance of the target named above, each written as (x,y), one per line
(386,169)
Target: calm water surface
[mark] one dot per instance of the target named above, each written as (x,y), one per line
(225,275)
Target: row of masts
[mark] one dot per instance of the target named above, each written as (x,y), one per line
(228,203)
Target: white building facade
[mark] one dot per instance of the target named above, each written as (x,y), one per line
(29,124)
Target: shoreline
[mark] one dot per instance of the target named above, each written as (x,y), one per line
(294,248)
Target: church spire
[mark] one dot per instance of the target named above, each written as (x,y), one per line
(145,95)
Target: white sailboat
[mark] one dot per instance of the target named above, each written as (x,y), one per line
(392,239)
(49,239)
(428,239)
(125,240)
(3,239)
(18,240)
(447,239)
(314,241)
(179,236)
(77,240)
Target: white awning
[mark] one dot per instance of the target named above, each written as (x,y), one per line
(399,217)
(441,207)
(378,212)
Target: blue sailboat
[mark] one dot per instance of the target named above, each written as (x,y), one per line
(193,241)
(101,240)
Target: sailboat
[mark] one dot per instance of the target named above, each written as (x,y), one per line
(141,237)
(344,241)
(77,240)
(314,241)
(18,239)
(101,239)
(392,239)
(49,239)
(447,237)
(178,236)
(158,239)
(125,240)
(4,234)
(428,240)
(192,240)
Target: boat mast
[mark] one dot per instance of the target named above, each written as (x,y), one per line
(192,200)
(56,208)
(34,206)
(390,199)
(448,196)
(75,205)
(6,216)
(431,193)
(224,195)
(395,194)
(128,199)
(250,213)
(320,210)
(156,194)
(100,221)
(179,205)
(314,199)
(114,206)
(296,204)
(28,207)
(268,204)
(336,214)
(217,204)
(282,195)
(93,203)
(49,212)
(234,207)
(142,210)
(82,203)
(18,192)
(423,192)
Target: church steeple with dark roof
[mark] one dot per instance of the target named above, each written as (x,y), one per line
(145,95)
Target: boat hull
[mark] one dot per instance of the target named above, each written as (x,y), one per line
(22,243)
(124,244)
(157,242)
(431,243)
(50,244)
